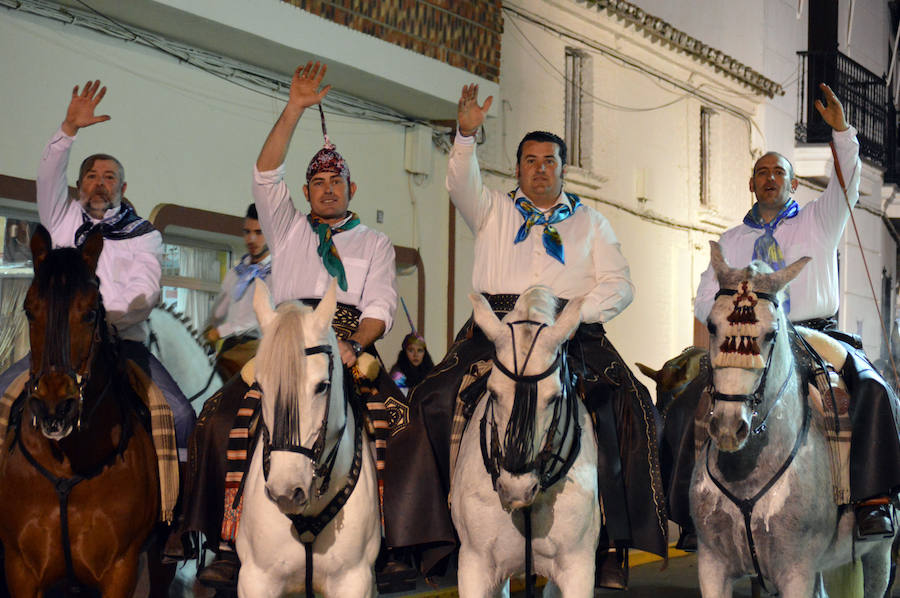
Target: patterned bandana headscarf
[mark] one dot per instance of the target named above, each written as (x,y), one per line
(246,272)
(766,247)
(124,225)
(533,216)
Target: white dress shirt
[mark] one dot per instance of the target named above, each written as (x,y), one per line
(814,232)
(297,270)
(233,318)
(594,268)
(129,269)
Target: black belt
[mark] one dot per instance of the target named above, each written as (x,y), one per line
(346,317)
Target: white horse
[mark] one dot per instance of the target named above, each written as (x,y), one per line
(533,456)
(179,347)
(318,495)
(761,492)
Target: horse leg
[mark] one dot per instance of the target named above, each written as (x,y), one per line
(876,565)
(120,580)
(475,578)
(576,578)
(19,579)
(253,581)
(713,581)
(358,581)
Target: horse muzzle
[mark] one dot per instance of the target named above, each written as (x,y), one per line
(290,484)
(729,426)
(57,422)
(517,491)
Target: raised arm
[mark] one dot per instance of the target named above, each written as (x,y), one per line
(463,174)
(304,93)
(52,188)
(830,209)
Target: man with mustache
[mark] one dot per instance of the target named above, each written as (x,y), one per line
(778,231)
(129,267)
(534,234)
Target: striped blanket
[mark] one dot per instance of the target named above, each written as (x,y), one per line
(162,423)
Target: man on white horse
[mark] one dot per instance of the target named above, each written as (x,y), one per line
(129,268)
(535,234)
(308,250)
(777,231)
(232,318)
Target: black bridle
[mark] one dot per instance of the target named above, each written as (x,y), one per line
(746,505)
(286,437)
(81,376)
(515,454)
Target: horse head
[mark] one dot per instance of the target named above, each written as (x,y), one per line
(66,326)
(527,389)
(749,347)
(303,408)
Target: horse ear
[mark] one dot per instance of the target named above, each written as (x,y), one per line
(779,279)
(717,260)
(262,304)
(485,317)
(649,372)
(90,250)
(567,322)
(324,312)
(41,244)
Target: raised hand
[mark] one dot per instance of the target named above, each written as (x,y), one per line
(305,85)
(832,111)
(469,114)
(81,108)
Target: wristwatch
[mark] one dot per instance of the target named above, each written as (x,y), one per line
(357,348)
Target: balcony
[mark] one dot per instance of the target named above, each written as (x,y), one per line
(864,96)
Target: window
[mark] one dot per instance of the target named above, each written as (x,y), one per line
(706,115)
(575,114)
(191,277)
(15,278)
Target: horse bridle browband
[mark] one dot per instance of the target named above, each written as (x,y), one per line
(526,391)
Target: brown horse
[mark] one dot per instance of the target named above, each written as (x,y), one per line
(79,485)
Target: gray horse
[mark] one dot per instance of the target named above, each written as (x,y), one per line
(761,494)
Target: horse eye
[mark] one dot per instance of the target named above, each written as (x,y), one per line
(492,396)
(770,336)
(711,327)
(29,316)
(90,316)
(323,386)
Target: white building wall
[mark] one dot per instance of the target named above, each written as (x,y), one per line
(189,138)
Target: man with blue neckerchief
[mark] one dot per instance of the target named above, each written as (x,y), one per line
(536,234)
(778,232)
(232,318)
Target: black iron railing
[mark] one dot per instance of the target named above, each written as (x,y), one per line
(864,96)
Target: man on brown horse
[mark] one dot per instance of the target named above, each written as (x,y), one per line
(308,250)
(129,268)
(535,234)
(232,318)
(777,231)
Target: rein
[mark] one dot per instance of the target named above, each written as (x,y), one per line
(520,430)
(746,505)
(308,527)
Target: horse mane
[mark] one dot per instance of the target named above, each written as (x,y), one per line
(280,358)
(185,321)
(62,275)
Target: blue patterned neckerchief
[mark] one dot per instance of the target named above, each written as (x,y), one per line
(327,250)
(766,247)
(125,224)
(533,216)
(247,272)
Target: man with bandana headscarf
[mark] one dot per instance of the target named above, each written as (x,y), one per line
(778,232)
(308,250)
